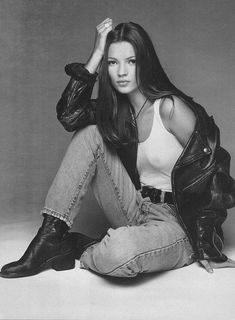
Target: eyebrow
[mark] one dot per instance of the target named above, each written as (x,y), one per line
(117,59)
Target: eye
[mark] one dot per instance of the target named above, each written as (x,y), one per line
(111,62)
(132,61)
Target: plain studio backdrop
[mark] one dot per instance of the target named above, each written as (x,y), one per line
(195,43)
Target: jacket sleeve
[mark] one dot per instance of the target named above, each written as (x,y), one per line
(221,196)
(75,109)
(209,244)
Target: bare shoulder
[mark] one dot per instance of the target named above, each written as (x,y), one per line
(175,107)
(177,117)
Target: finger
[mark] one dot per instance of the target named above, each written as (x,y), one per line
(108,20)
(101,29)
(108,23)
(206,265)
(102,23)
(103,26)
(231,261)
(104,30)
(226,264)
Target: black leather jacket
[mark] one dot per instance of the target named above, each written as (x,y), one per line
(201,184)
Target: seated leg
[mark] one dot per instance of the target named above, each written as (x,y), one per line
(159,244)
(88,161)
(86,157)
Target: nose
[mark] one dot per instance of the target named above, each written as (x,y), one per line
(122,70)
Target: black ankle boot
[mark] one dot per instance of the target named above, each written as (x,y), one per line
(52,247)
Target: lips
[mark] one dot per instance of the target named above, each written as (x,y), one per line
(123,83)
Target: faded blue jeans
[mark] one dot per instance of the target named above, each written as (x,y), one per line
(143,237)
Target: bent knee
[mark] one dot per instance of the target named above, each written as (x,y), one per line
(88,136)
(114,255)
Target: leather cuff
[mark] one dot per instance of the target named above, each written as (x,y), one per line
(78,72)
(209,245)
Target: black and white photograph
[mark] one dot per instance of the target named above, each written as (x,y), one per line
(117,189)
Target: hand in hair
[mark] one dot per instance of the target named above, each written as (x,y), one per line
(102,31)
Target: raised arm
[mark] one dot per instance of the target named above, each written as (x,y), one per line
(102,31)
(75,109)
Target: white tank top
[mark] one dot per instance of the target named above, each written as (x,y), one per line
(158,154)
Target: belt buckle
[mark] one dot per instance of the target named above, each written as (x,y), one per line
(162,196)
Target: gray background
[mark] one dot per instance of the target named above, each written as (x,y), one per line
(193,38)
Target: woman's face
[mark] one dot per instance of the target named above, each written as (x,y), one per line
(122,67)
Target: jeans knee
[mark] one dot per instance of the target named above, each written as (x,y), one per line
(88,138)
(115,251)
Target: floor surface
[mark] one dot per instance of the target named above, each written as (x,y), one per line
(187,293)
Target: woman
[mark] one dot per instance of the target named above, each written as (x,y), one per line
(153,159)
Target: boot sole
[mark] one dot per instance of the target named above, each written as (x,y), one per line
(58,263)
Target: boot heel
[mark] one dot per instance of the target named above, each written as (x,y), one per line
(65,262)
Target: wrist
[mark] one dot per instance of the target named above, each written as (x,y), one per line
(97,53)
(94,61)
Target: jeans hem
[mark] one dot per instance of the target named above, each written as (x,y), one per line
(58,215)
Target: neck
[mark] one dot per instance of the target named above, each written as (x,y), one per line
(137,99)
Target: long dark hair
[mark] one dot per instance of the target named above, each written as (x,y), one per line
(115,114)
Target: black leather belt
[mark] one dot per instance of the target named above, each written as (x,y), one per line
(157,195)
